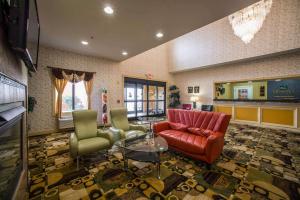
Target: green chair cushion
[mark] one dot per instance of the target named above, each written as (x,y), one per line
(119,118)
(133,133)
(92,144)
(85,122)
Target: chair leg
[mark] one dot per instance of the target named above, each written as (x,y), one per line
(77,161)
(208,166)
(106,154)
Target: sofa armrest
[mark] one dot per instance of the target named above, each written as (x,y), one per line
(160,126)
(214,146)
(138,127)
(111,136)
(73,145)
(120,132)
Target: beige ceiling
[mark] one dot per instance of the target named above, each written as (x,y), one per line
(64,23)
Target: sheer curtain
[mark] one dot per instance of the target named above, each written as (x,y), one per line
(59,85)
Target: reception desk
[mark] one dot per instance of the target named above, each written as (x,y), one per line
(275,114)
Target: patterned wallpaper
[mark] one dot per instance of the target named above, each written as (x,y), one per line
(216,43)
(284,65)
(108,75)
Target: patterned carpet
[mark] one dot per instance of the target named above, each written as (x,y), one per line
(257,163)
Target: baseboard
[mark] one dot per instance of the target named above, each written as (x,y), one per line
(47,132)
(267,126)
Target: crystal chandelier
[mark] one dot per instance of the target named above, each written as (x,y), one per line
(248,21)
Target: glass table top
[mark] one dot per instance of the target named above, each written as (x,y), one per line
(151,119)
(144,143)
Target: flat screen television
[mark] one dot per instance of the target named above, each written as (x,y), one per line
(23,29)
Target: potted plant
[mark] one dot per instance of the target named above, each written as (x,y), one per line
(174,96)
(31,103)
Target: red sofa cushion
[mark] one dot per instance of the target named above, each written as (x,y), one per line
(213,121)
(199,131)
(178,126)
(185,141)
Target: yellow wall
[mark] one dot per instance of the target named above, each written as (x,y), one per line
(256,88)
(246,113)
(278,116)
(229,89)
(227,94)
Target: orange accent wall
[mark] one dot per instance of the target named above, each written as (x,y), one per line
(278,116)
(224,109)
(246,113)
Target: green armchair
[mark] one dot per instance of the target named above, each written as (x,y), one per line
(86,138)
(121,126)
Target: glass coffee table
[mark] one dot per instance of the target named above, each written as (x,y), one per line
(144,148)
(150,121)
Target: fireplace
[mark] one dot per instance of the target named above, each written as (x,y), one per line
(12,135)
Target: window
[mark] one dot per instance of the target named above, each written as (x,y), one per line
(144,97)
(74,97)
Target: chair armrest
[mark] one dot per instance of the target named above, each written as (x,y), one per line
(160,126)
(111,136)
(120,132)
(73,145)
(214,146)
(138,127)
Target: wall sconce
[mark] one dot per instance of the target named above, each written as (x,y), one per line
(194,99)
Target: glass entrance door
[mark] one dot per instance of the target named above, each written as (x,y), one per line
(144,97)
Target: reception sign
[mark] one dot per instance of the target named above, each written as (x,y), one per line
(284,89)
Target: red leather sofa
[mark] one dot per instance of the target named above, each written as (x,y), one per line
(198,134)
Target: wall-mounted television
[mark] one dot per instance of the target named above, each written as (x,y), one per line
(23,29)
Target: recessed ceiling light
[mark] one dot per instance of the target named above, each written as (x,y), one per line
(124,53)
(159,35)
(108,10)
(84,42)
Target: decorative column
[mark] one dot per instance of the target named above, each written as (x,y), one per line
(104,106)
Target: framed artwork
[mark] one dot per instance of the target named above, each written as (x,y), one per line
(196,89)
(190,90)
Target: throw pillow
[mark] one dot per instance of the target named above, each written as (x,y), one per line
(200,131)
(178,126)
(207,133)
(196,131)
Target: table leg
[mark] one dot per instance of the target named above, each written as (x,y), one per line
(158,166)
(158,170)
(126,164)
(150,127)
(125,160)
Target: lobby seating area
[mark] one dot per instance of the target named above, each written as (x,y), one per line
(158,100)
(254,163)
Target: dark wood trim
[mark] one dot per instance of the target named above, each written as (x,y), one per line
(69,69)
(260,100)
